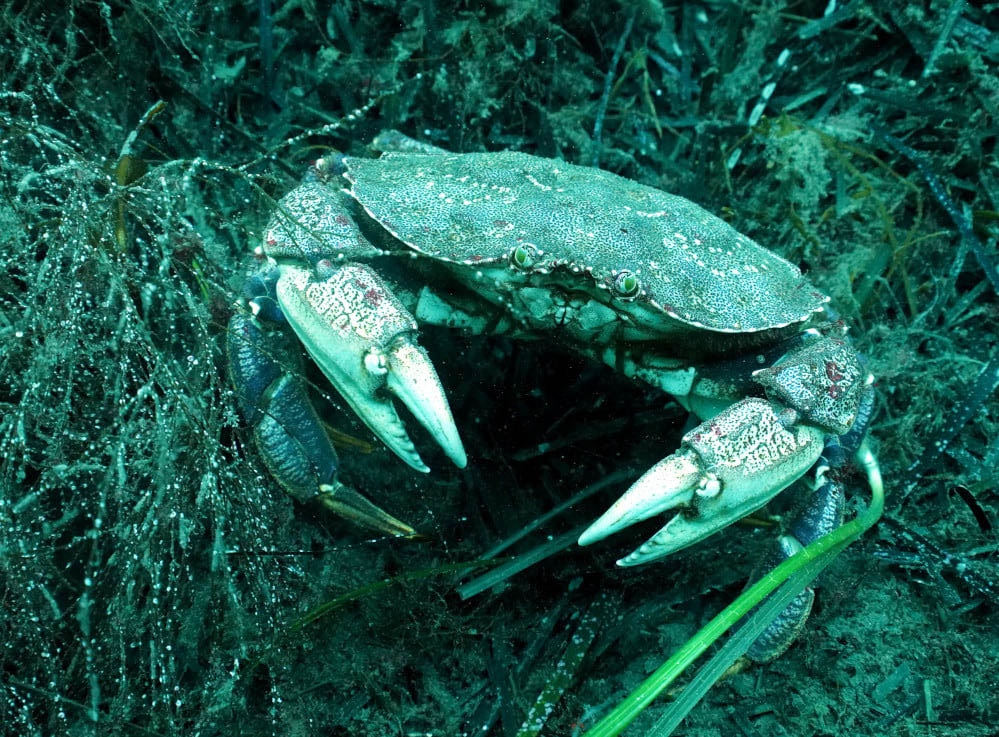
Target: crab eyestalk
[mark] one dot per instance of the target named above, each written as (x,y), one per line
(725,469)
(364,341)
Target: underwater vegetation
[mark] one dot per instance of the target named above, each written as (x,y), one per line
(155,580)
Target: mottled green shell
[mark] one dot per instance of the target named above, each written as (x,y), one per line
(475,208)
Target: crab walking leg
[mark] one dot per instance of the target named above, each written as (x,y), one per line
(289,434)
(822,514)
(726,468)
(364,341)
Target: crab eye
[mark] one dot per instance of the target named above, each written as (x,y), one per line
(524,255)
(626,284)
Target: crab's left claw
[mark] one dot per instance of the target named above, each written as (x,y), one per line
(364,341)
(726,468)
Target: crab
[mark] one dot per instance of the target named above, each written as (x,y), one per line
(535,248)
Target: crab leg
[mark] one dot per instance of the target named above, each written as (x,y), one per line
(364,341)
(725,469)
(289,434)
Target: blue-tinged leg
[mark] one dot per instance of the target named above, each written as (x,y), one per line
(822,514)
(289,434)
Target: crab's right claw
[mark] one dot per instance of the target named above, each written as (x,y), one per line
(364,341)
(725,469)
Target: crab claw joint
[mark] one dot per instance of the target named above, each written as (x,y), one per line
(364,341)
(726,468)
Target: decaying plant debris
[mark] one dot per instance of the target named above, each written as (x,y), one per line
(154,581)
